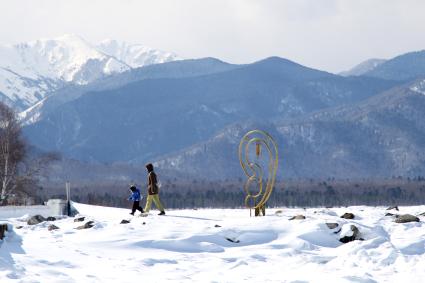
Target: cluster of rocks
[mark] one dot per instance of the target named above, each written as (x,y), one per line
(347,232)
(87,225)
(36,219)
(403,218)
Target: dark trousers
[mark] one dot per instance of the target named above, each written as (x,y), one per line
(136,206)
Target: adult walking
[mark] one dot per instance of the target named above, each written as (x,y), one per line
(153,191)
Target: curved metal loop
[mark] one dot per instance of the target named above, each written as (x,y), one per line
(254,171)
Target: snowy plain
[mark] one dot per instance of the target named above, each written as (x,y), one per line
(216,245)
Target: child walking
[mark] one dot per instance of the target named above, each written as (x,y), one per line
(135,197)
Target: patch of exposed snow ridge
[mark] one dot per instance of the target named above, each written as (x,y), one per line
(135,55)
(419,87)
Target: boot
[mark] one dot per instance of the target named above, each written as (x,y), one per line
(162,213)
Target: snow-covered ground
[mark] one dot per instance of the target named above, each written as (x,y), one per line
(217,245)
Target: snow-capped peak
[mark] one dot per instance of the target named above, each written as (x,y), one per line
(30,70)
(135,55)
(63,57)
(363,67)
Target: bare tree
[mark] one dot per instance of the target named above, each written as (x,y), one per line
(12,151)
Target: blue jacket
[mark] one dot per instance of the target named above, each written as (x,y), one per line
(135,196)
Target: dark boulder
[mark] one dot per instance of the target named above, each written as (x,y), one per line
(297,217)
(347,215)
(52,227)
(51,218)
(233,240)
(87,225)
(124,221)
(79,219)
(405,218)
(393,207)
(332,225)
(36,219)
(349,233)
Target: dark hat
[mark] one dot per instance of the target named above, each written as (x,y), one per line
(132,188)
(149,166)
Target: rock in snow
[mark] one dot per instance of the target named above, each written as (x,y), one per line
(393,207)
(405,218)
(349,233)
(332,225)
(52,227)
(87,225)
(36,219)
(347,215)
(297,217)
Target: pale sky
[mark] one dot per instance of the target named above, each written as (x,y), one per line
(331,35)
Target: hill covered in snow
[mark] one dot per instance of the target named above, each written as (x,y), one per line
(31,70)
(218,245)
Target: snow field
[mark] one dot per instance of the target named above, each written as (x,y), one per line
(217,245)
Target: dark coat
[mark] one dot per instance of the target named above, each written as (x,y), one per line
(152,184)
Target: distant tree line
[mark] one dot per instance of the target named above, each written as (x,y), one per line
(179,194)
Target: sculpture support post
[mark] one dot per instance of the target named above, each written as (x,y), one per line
(254,171)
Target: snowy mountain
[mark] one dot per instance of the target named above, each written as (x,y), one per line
(406,67)
(157,116)
(29,71)
(363,67)
(135,55)
(381,136)
(174,69)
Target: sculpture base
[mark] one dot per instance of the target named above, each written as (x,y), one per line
(260,211)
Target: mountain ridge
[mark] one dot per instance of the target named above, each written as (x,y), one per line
(382,136)
(172,113)
(31,70)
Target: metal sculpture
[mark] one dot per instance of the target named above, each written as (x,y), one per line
(254,171)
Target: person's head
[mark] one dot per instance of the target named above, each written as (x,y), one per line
(149,167)
(132,188)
